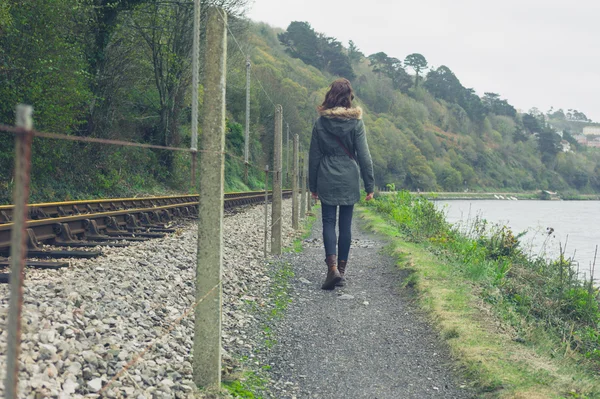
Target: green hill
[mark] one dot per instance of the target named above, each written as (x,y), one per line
(437,135)
(122,70)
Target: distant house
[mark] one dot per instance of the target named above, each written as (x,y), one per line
(581,139)
(594,143)
(548,195)
(591,131)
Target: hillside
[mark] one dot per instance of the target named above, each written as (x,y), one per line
(430,138)
(124,72)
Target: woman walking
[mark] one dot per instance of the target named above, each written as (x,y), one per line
(339,154)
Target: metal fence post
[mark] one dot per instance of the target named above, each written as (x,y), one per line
(18,246)
(276,243)
(207,335)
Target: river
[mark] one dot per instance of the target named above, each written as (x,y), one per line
(577,220)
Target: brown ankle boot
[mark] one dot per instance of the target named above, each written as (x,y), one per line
(342,269)
(333,276)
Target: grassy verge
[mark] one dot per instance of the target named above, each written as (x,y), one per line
(252,380)
(505,327)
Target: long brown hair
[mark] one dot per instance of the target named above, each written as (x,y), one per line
(340,94)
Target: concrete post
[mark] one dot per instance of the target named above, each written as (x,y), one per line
(195,84)
(207,335)
(295,224)
(18,248)
(287,157)
(247,132)
(266,209)
(303,187)
(276,244)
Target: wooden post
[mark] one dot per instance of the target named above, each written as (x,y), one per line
(303,188)
(18,248)
(266,208)
(295,224)
(276,244)
(195,84)
(207,335)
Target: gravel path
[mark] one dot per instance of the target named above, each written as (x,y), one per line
(365,340)
(83,323)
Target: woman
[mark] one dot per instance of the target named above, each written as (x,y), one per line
(339,154)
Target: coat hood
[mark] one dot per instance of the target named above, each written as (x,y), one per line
(340,121)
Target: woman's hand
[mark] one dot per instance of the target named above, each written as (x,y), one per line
(369,197)
(315,195)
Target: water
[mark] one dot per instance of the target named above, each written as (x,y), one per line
(577,220)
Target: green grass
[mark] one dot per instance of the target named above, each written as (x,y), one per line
(480,333)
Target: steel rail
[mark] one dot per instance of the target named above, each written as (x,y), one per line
(115,224)
(60,209)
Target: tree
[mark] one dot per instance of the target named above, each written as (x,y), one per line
(574,115)
(418,63)
(323,52)
(559,114)
(392,68)
(442,83)
(379,63)
(335,59)
(494,104)
(549,145)
(532,123)
(301,41)
(354,54)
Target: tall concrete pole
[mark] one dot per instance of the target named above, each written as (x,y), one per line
(247,133)
(207,335)
(304,169)
(295,224)
(266,210)
(276,244)
(195,84)
(287,156)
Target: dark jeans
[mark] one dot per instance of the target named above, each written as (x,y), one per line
(329,239)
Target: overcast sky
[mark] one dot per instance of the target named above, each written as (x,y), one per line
(535,53)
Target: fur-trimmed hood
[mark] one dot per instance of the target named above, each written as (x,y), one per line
(342,113)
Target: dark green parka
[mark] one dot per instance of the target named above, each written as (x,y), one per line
(332,173)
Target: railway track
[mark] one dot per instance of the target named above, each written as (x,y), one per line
(107,222)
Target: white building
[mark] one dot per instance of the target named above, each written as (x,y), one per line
(591,130)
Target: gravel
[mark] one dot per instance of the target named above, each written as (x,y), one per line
(365,340)
(83,324)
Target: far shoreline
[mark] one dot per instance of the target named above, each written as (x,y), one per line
(500,196)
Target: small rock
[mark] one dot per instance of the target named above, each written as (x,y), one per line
(304,281)
(346,296)
(69,387)
(47,351)
(47,336)
(95,385)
